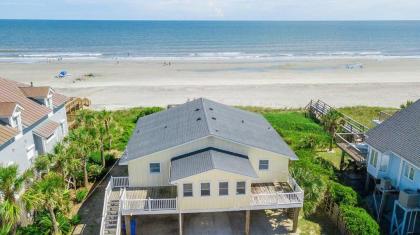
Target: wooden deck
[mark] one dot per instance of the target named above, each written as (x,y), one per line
(275,195)
(352,152)
(271,188)
(151,192)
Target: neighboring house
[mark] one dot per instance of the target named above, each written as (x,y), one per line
(32,120)
(394,160)
(200,157)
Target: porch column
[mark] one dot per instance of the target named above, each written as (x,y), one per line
(180,223)
(247,221)
(295,219)
(127,221)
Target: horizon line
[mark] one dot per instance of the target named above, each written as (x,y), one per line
(215,20)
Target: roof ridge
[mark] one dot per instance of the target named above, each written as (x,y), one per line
(207,121)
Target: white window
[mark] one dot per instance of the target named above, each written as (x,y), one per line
(240,188)
(373,158)
(263,165)
(188,190)
(154,167)
(205,189)
(384,163)
(409,171)
(223,188)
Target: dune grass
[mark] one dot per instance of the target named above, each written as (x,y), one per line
(364,114)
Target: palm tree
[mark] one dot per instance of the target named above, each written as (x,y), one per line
(106,125)
(11,184)
(332,121)
(81,146)
(49,193)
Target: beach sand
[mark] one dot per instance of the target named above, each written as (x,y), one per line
(283,83)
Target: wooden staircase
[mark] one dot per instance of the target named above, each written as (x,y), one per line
(111,218)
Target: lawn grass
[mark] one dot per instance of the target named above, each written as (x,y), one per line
(364,114)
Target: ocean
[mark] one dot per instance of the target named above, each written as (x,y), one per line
(35,40)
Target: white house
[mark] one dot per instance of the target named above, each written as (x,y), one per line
(394,161)
(201,157)
(32,121)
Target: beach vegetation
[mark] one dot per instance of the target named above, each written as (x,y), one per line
(11,184)
(316,170)
(365,114)
(406,104)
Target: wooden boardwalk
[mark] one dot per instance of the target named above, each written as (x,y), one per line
(353,132)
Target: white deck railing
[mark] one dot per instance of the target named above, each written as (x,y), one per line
(119,182)
(108,191)
(149,204)
(279,198)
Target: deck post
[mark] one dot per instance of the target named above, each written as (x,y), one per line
(367,182)
(180,223)
(382,205)
(127,221)
(342,160)
(295,219)
(247,221)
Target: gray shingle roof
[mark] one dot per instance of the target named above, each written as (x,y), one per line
(201,118)
(399,134)
(210,159)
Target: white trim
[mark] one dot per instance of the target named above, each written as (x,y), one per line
(400,172)
(408,167)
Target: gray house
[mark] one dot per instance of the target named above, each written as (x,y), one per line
(32,121)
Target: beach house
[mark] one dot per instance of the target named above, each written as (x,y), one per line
(32,120)
(201,157)
(394,164)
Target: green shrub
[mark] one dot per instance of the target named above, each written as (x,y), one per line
(94,171)
(358,221)
(81,194)
(75,220)
(43,225)
(343,195)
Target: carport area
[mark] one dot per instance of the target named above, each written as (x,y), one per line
(218,223)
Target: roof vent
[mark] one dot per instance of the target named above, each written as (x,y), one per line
(138,131)
(217,130)
(243,121)
(198,119)
(165,126)
(213,118)
(211,109)
(197,109)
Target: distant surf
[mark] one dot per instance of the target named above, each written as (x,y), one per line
(39,40)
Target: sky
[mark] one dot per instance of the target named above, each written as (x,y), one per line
(211,9)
